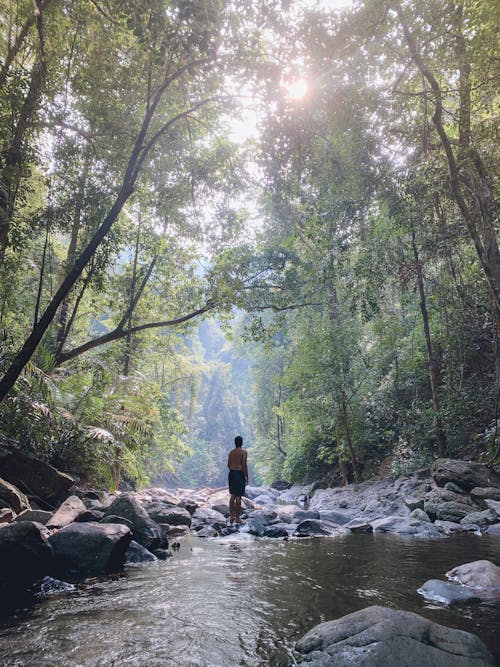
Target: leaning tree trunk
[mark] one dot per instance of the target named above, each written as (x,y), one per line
(431,361)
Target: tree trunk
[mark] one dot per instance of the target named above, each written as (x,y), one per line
(62,330)
(433,370)
(345,419)
(140,152)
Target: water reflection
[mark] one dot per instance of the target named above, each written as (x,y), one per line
(241,602)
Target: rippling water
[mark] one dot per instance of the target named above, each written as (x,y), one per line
(231,602)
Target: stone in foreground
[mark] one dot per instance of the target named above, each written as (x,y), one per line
(25,555)
(383,637)
(90,549)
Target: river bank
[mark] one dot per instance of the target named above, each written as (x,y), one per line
(94,535)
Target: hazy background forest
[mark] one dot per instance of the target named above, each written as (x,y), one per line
(272,218)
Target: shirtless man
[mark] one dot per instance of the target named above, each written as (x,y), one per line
(238,477)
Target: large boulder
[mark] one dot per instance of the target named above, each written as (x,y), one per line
(484,493)
(145,530)
(35,477)
(174,516)
(480,574)
(10,496)
(67,512)
(383,637)
(204,516)
(25,555)
(40,516)
(448,506)
(466,474)
(89,549)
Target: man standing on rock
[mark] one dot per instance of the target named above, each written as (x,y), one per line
(238,477)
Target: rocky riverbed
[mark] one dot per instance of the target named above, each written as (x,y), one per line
(92,534)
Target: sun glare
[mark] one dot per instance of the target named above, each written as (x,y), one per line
(297,89)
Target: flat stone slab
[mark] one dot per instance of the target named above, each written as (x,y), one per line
(383,637)
(446,592)
(67,512)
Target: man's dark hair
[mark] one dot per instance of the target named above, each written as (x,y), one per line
(238,441)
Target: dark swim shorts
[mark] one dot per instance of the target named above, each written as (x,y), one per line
(236,479)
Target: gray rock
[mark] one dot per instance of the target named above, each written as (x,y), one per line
(34,476)
(359,526)
(302,515)
(264,500)
(450,527)
(296,493)
(447,506)
(90,515)
(67,512)
(223,508)
(406,526)
(253,492)
(25,555)
(208,517)
(89,549)
(190,505)
(334,516)
(258,520)
(446,592)
(414,503)
(11,496)
(466,474)
(39,516)
(382,637)
(488,492)
(174,516)
(113,518)
(494,529)
(480,574)
(163,554)
(49,586)
(420,515)
(174,531)
(278,530)
(451,486)
(207,531)
(145,531)
(481,519)
(136,553)
(316,528)
(493,505)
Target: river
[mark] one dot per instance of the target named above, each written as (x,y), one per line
(238,601)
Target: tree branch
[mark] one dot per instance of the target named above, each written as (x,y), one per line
(118,334)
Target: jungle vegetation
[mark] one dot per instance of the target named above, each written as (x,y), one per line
(272,217)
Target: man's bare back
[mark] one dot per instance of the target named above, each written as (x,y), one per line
(237,460)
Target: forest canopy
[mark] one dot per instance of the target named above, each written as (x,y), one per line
(270,217)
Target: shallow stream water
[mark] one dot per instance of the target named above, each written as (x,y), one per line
(238,601)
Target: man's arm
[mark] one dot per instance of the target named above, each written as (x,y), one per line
(245,467)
